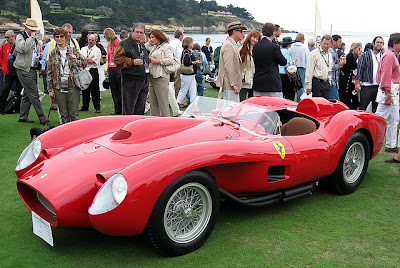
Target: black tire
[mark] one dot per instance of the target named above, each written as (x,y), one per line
(194,218)
(213,85)
(352,165)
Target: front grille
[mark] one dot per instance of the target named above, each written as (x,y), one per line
(37,203)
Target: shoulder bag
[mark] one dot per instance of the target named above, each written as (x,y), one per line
(82,78)
(186,69)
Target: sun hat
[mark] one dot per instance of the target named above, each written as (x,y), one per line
(235,25)
(286,40)
(31,24)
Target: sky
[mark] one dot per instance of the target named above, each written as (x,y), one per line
(344,15)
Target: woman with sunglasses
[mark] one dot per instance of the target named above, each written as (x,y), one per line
(59,69)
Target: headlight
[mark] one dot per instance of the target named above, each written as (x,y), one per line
(29,155)
(110,195)
(119,188)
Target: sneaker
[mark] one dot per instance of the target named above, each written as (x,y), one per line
(178,113)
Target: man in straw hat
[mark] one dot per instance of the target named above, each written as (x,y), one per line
(230,73)
(27,63)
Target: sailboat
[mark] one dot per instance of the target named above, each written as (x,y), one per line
(317,29)
(36,14)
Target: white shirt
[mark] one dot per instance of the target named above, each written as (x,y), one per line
(177,48)
(94,53)
(299,51)
(64,67)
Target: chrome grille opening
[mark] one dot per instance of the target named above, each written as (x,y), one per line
(37,203)
(45,203)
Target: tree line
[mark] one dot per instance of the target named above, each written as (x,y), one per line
(125,12)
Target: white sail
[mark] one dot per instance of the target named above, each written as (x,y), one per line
(36,14)
(318,29)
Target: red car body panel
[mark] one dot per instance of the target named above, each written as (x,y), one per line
(77,158)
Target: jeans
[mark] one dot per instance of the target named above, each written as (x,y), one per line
(302,72)
(334,93)
(199,80)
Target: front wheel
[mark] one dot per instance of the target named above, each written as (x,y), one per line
(184,215)
(352,165)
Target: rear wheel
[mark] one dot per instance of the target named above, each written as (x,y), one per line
(352,165)
(184,215)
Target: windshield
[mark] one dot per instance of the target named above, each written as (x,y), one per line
(251,118)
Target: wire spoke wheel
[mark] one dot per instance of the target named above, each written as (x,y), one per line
(354,162)
(187,213)
(352,165)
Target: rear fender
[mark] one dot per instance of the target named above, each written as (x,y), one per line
(338,130)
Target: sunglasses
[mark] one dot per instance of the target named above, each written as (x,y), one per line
(59,36)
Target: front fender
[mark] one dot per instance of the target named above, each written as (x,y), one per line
(148,178)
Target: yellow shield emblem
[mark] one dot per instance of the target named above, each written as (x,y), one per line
(279,148)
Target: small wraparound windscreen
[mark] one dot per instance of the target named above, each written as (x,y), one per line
(251,118)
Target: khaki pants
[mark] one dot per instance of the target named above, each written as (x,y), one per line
(68,104)
(158,96)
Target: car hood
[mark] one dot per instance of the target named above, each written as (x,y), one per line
(69,180)
(156,134)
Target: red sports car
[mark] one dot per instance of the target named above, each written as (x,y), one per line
(125,175)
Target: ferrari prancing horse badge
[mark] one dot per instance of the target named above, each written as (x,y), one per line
(279,148)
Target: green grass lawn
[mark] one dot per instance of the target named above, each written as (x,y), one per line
(321,230)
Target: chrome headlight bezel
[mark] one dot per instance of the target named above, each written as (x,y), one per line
(29,155)
(110,195)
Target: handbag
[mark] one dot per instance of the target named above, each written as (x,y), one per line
(297,83)
(106,83)
(172,68)
(82,78)
(103,59)
(186,69)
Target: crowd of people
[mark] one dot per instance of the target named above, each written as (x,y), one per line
(168,73)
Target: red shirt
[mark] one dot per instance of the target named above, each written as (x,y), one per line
(4,51)
(110,53)
(388,70)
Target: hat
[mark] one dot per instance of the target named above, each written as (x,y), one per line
(286,40)
(31,24)
(235,25)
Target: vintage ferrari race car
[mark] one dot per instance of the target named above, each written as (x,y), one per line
(125,175)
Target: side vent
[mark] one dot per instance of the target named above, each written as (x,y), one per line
(276,173)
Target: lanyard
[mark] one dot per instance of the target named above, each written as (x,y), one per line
(89,51)
(322,55)
(61,60)
(380,56)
